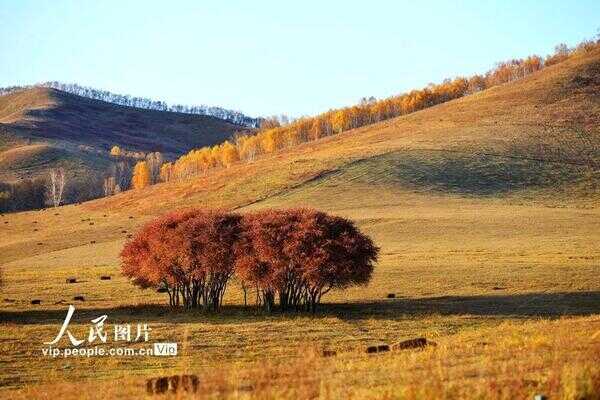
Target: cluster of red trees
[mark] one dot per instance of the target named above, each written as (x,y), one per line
(294,256)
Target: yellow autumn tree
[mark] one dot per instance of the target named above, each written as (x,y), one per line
(141,175)
(268,141)
(248,147)
(115,151)
(166,172)
(229,154)
(340,120)
(317,129)
(215,157)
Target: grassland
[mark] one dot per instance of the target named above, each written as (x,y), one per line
(489,230)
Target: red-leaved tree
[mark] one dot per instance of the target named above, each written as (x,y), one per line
(211,244)
(301,254)
(332,253)
(265,263)
(190,254)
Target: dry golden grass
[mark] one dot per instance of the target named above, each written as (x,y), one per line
(493,256)
(511,360)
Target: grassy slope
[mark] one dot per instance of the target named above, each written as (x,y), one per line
(81,128)
(527,129)
(491,250)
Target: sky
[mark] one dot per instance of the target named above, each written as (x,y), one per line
(273,57)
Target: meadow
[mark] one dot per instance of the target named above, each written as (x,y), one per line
(530,272)
(490,253)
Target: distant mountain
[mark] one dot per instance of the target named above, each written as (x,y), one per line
(42,127)
(235,117)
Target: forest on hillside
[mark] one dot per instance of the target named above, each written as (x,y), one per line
(274,136)
(132,169)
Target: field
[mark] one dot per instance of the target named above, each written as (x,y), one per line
(488,225)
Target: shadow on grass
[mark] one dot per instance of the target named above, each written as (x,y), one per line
(464,173)
(550,305)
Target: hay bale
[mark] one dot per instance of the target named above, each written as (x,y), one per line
(329,353)
(380,348)
(9,300)
(123,231)
(189,383)
(35,230)
(91,223)
(417,343)
(174,384)
(371,349)
(71,280)
(245,388)
(383,347)
(56,214)
(129,236)
(161,385)
(391,295)
(40,244)
(6,222)
(79,298)
(36,301)
(130,217)
(150,385)
(105,215)
(105,278)
(92,241)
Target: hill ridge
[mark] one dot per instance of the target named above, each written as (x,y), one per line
(233,116)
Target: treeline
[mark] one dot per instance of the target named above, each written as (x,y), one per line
(28,194)
(59,186)
(51,190)
(235,117)
(293,257)
(131,170)
(274,136)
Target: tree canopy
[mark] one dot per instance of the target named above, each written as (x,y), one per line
(296,255)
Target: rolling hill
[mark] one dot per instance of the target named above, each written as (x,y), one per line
(41,127)
(537,138)
(534,142)
(486,210)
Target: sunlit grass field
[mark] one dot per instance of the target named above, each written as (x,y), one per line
(492,255)
(520,278)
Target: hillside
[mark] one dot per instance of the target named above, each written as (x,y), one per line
(41,127)
(486,212)
(538,137)
(534,141)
